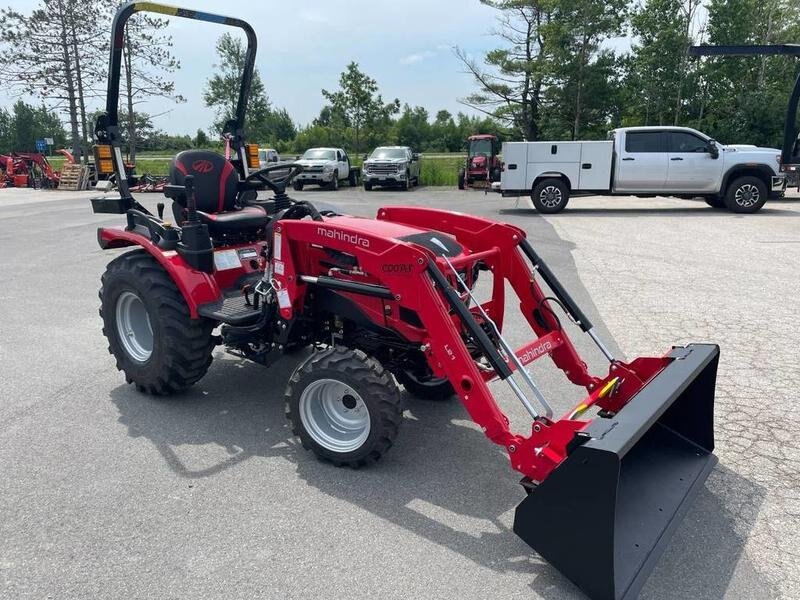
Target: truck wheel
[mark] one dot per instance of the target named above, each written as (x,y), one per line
(406,185)
(334,185)
(352,180)
(715,201)
(344,407)
(155,342)
(431,389)
(746,195)
(298,186)
(367,186)
(462,180)
(550,196)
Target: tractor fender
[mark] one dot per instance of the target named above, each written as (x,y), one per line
(196,287)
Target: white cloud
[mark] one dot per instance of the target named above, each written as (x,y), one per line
(417,57)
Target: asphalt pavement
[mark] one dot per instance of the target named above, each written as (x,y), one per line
(105,493)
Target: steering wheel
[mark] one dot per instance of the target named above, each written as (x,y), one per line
(276,185)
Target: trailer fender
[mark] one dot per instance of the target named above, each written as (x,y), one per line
(197,288)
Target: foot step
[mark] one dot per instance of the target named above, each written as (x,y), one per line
(232,311)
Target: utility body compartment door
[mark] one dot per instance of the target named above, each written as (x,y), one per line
(554,157)
(596,161)
(515,159)
(642,162)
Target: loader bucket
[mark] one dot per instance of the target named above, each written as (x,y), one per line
(606,514)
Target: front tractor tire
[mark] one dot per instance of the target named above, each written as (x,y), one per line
(550,196)
(746,195)
(155,342)
(425,389)
(344,406)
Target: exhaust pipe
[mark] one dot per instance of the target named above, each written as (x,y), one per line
(605,515)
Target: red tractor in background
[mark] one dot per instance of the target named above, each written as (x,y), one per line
(27,169)
(483,162)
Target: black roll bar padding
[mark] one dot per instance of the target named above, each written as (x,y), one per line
(481,338)
(790,130)
(554,284)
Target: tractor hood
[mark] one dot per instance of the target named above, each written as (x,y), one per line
(441,244)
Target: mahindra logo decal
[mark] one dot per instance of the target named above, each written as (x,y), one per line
(202,166)
(343,236)
(534,352)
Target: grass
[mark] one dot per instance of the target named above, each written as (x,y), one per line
(437,170)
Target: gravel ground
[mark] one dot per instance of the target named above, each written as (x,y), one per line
(106,493)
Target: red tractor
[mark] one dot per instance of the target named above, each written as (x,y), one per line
(27,169)
(379,303)
(483,165)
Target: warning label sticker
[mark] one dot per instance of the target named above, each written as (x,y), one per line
(227,259)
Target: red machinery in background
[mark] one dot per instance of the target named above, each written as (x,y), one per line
(483,162)
(27,169)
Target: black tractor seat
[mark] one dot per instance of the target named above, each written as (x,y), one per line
(216,193)
(246,220)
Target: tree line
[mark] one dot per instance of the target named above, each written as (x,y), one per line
(561,69)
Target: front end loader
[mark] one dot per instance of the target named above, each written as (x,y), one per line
(380,303)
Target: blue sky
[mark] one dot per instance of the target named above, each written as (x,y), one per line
(305,44)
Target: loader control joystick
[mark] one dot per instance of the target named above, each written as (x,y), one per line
(195,245)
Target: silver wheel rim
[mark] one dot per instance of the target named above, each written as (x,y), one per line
(550,196)
(334,415)
(133,327)
(747,195)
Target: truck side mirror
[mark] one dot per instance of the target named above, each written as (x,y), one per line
(365,157)
(713,149)
(415,157)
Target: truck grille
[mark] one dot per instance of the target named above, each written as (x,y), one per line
(313,169)
(379,169)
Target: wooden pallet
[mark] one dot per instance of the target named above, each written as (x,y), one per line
(74,177)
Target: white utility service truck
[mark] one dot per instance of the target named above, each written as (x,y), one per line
(645,162)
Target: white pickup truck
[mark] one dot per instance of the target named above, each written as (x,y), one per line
(646,162)
(326,167)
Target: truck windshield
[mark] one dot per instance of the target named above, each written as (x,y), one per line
(480,147)
(317,154)
(387,153)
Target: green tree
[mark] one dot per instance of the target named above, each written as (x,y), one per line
(511,79)
(148,62)
(357,105)
(658,75)
(744,99)
(50,49)
(262,122)
(581,81)
(201,139)
(412,128)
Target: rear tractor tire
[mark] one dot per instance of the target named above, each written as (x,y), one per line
(550,196)
(154,340)
(462,180)
(344,406)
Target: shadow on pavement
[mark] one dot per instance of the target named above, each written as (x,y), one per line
(443,480)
